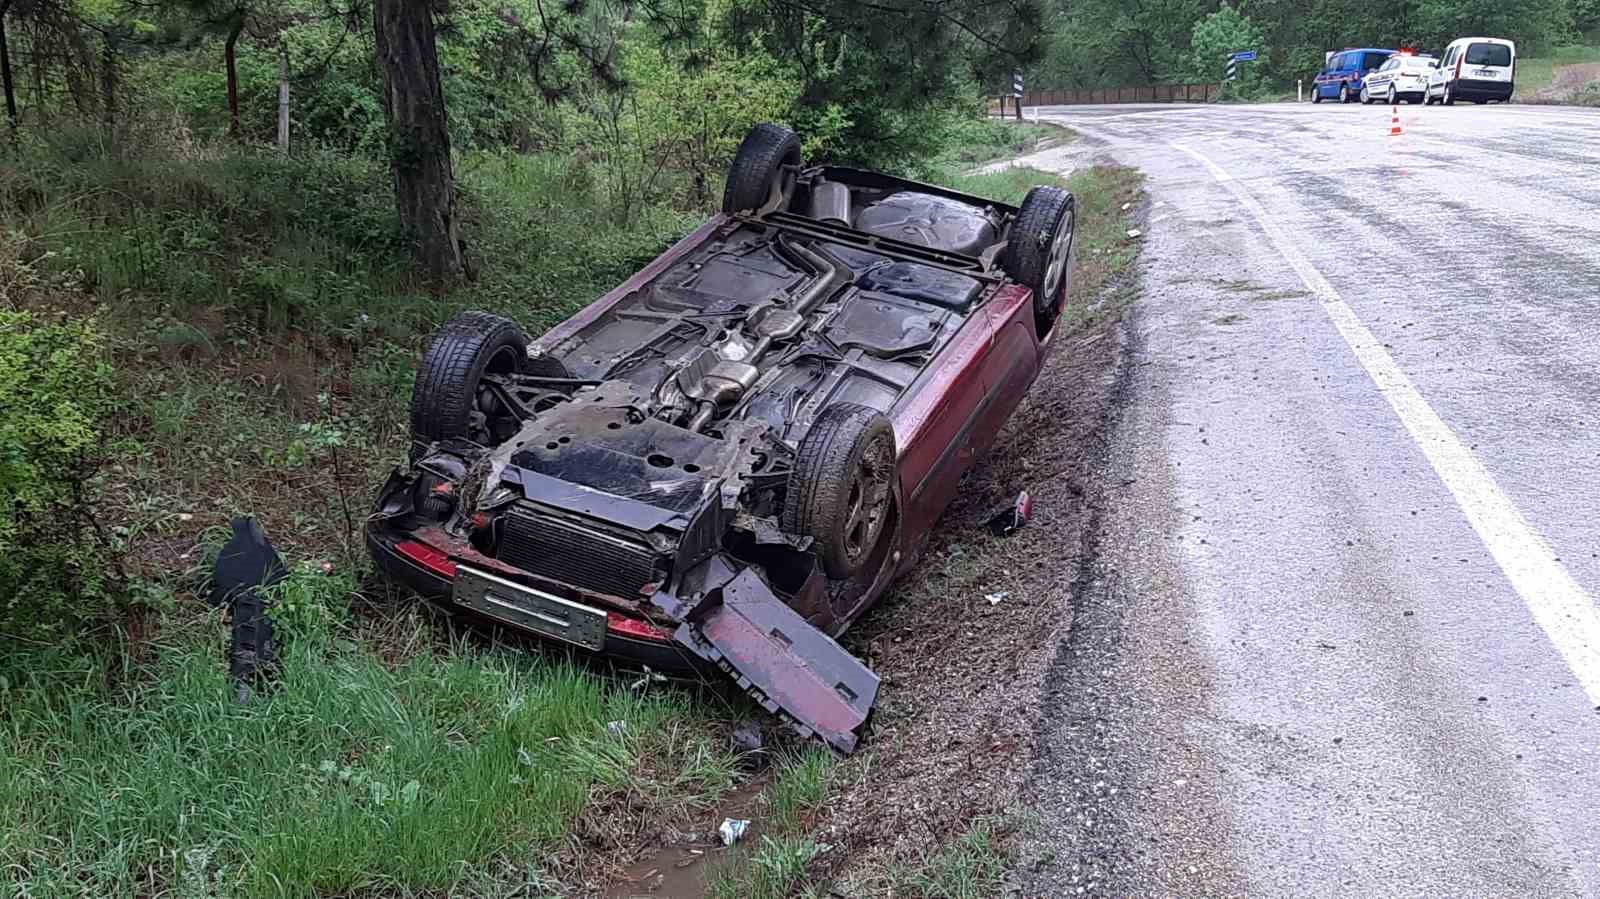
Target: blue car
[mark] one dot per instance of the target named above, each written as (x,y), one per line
(1345,72)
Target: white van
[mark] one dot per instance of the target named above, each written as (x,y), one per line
(1479,69)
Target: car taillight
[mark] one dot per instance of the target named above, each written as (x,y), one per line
(1459,62)
(634,627)
(428,557)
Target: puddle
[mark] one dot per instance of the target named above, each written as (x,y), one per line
(680,866)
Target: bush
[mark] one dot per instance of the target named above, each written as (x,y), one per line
(55,573)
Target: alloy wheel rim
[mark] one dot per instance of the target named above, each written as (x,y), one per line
(1060,252)
(868,499)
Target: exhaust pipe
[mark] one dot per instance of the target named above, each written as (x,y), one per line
(830,202)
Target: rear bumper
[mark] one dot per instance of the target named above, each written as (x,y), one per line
(629,651)
(1468,89)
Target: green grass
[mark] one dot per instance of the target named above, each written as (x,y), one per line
(971,867)
(353,775)
(797,789)
(1537,73)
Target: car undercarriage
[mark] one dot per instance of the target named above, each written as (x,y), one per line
(702,470)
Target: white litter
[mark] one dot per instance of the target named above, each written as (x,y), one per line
(996,598)
(1134,232)
(1126,206)
(616,728)
(732,830)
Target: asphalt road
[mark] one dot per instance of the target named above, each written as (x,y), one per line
(1341,635)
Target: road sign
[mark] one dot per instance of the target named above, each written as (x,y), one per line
(1233,69)
(1245,56)
(1016,84)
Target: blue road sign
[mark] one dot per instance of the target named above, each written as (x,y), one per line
(1246,56)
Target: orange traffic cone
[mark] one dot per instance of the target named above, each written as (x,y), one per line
(1394,122)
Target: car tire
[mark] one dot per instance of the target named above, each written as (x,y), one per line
(1344,93)
(444,398)
(767,162)
(1038,253)
(841,491)
(1316,94)
(1366,96)
(1394,98)
(1449,97)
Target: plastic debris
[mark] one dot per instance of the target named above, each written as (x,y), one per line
(616,728)
(1134,232)
(1013,516)
(732,830)
(747,737)
(997,598)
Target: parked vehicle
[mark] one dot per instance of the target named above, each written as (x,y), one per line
(1345,73)
(1403,77)
(1480,69)
(721,464)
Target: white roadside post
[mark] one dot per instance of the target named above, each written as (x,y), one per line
(1300,90)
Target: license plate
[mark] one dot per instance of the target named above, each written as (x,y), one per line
(1487,73)
(537,611)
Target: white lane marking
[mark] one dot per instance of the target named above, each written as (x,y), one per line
(1561,607)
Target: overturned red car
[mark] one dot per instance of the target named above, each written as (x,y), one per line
(724,462)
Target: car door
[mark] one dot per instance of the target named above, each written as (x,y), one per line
(1378,81)
(934,422)
(1445,72)
(1488,61)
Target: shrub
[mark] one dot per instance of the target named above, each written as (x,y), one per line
(55,572)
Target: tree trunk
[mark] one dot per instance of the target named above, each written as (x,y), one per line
(108,86)
(419,142)
(5,68)
(233,77)
(283,96)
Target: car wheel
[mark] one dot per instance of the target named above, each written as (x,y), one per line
(763,170)
(1366,98)
(1344,93)
(446,402)
(1038,253)
(841,491)
(1449,98)
(1394,98)
(1316,94)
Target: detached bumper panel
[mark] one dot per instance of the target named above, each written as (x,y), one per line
(789,667)
(534,610)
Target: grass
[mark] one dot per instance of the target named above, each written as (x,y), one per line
(970,867)
(777,864)
(1537,73)
(352,774)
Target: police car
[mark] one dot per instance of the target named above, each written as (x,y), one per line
(1403,77)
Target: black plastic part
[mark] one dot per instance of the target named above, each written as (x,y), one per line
(246,570)
(758,165)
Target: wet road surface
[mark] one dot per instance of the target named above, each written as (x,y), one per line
(1340,637)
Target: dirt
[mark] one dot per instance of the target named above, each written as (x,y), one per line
(964,643)
(681,864)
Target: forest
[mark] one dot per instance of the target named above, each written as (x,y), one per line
(1113,43)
